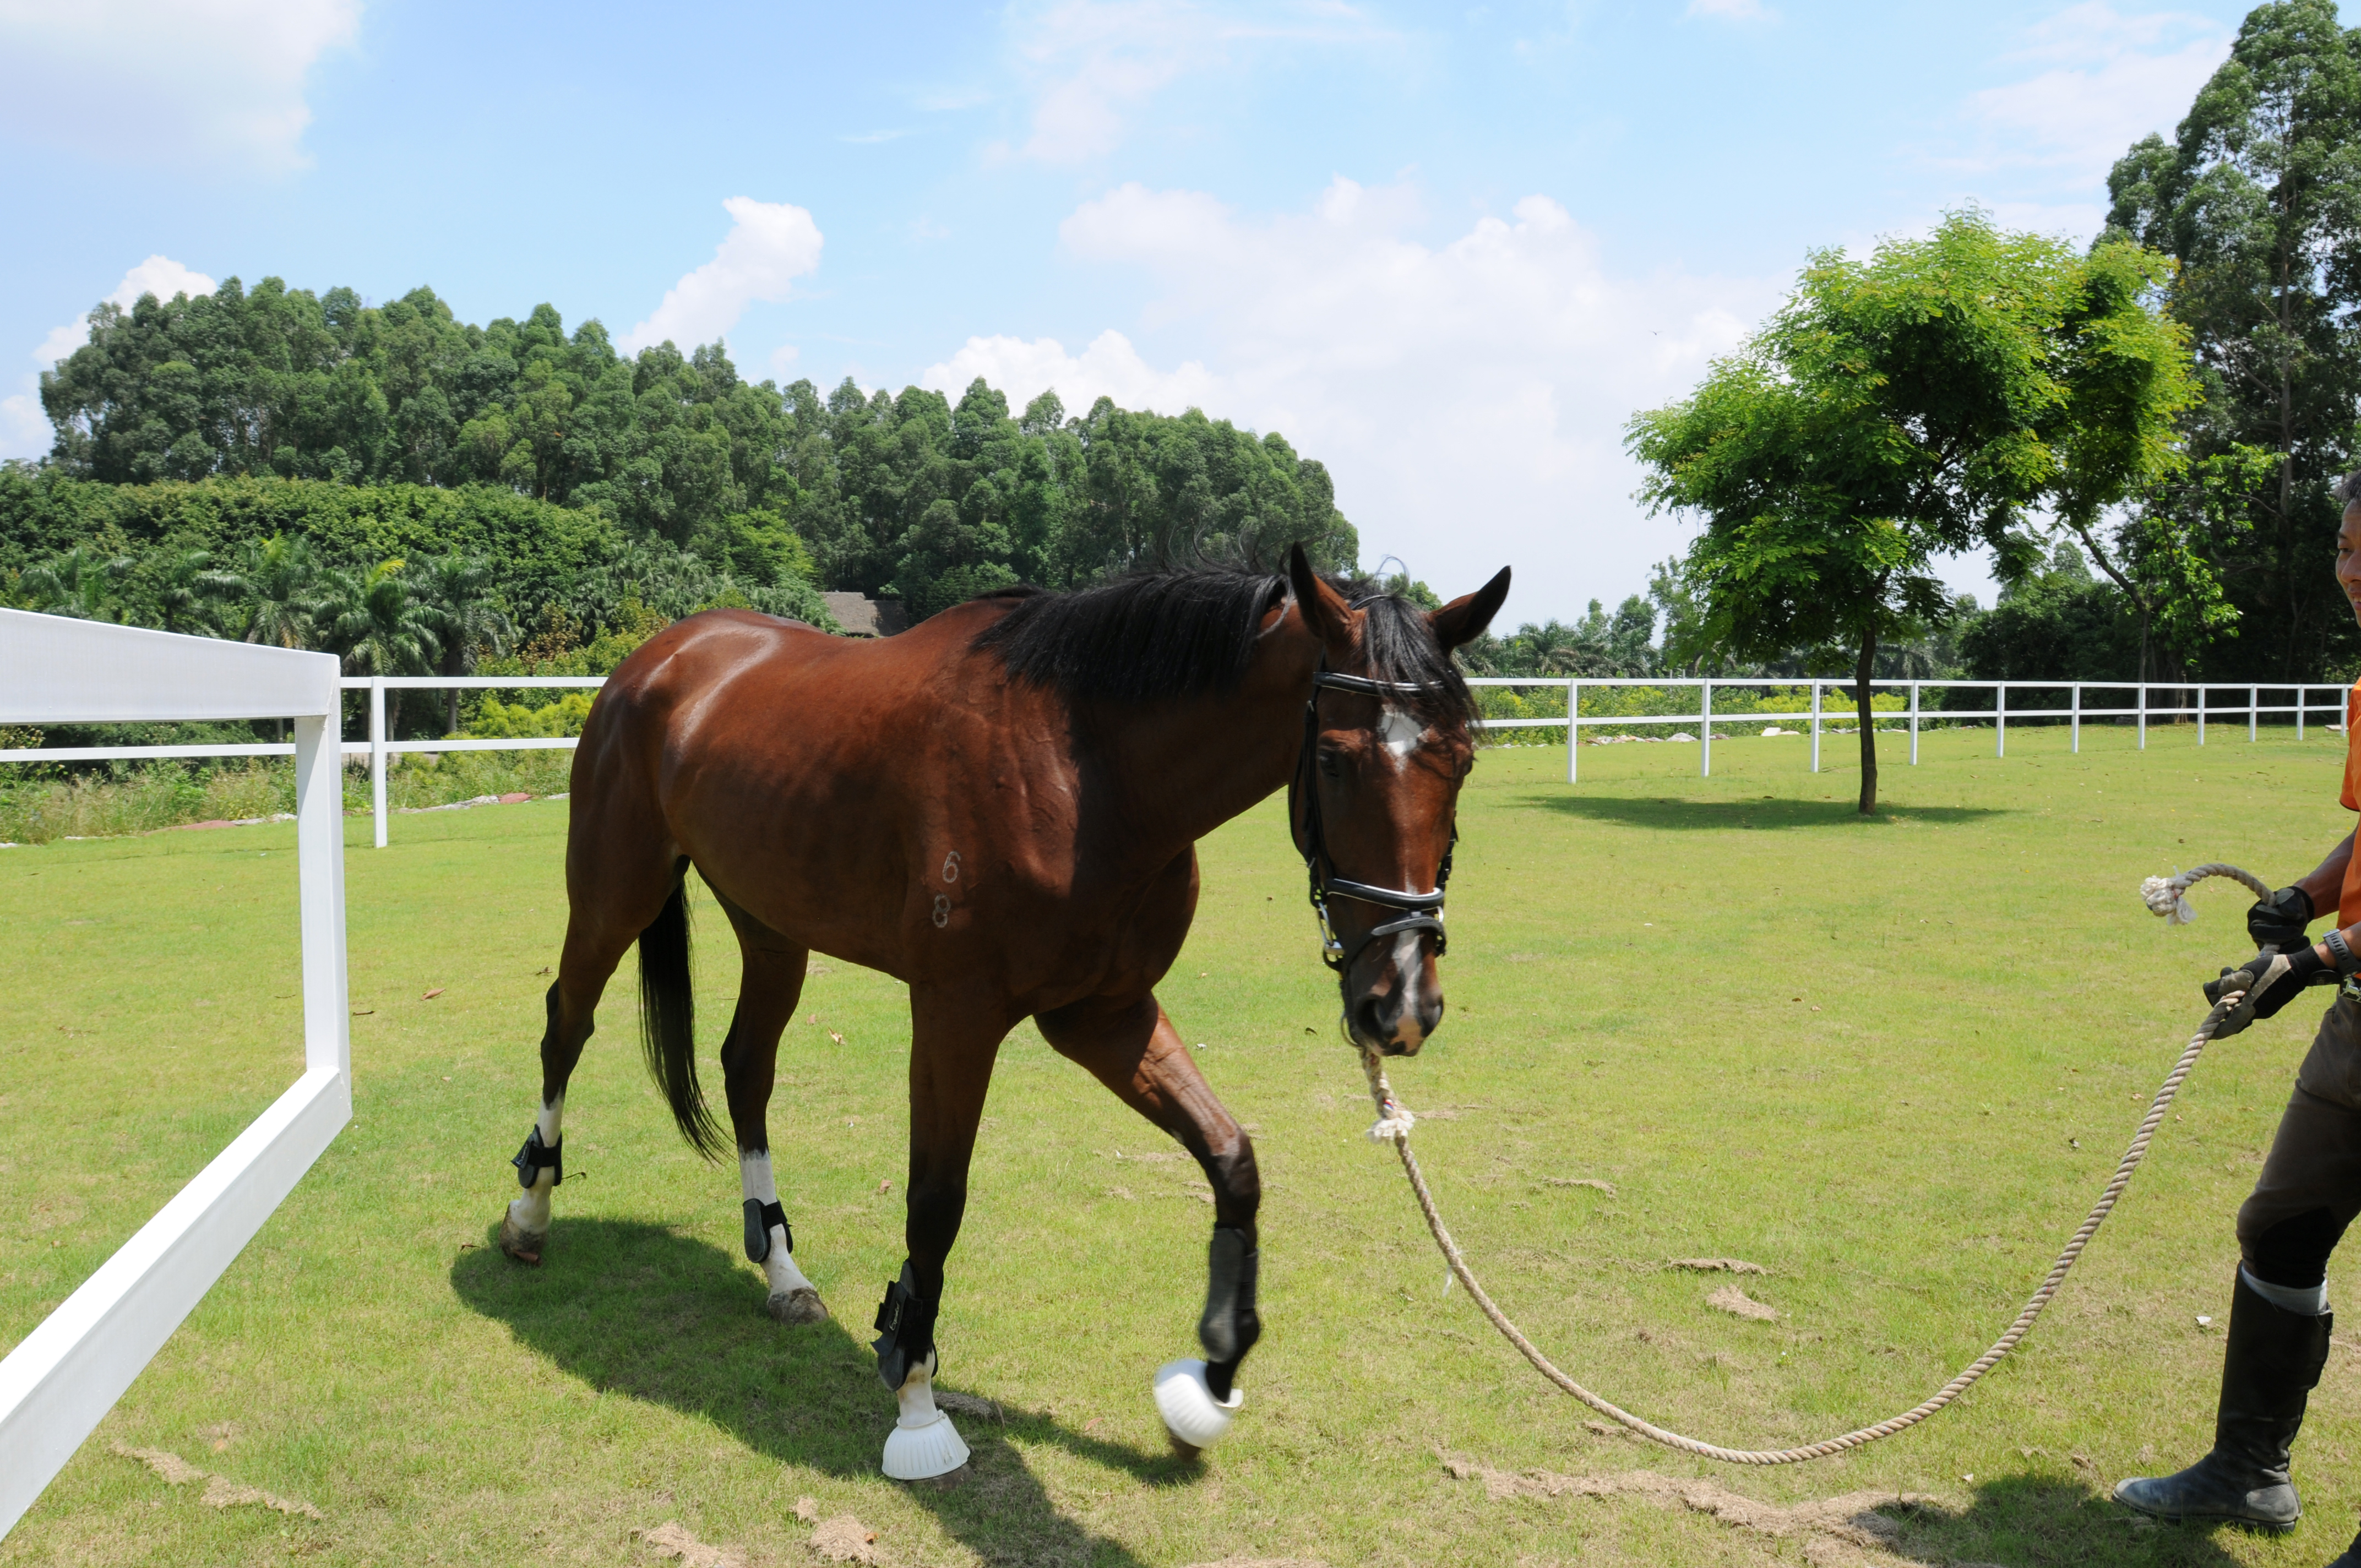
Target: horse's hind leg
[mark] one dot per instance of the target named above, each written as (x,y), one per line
(1133,1048)
(617,884)
(770,982)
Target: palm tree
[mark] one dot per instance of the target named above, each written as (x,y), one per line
(275,580)
(188,600)
(368,619)
(1552,648)
(454,595)
(80,584)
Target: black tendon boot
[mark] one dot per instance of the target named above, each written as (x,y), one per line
(2351,1556)
(2271,1362)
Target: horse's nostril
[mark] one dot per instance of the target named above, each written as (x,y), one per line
(1372,1022)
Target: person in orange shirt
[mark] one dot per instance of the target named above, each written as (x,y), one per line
(2310,1190)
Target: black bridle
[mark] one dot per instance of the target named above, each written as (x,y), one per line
(1422,911)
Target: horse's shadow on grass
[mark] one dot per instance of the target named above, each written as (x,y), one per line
(643,1311)
(2051,1518)
(1770,814)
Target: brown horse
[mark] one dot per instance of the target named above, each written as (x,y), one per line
(1000,808)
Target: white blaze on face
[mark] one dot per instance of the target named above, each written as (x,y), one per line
(531,1212)
(1408,972)
(756,1181)
(1401,734)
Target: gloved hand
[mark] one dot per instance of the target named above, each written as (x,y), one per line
(2270,981)
(2279,920)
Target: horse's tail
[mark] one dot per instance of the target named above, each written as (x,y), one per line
(668,1021)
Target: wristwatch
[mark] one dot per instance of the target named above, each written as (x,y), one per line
(2339,953)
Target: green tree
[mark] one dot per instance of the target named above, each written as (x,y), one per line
(1918,402)
(274,583)
(456,599)
(82,583)
(2258,199)
(368,619)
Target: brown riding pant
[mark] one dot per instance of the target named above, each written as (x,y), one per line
(2315,1158)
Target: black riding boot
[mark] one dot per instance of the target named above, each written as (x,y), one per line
(2272,1361)
(2351,1557)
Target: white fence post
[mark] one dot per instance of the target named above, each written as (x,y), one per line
(1573,717)
(2143,715)
(377,755)
(1705,730)
(2254,708)
(1816,727)
(2200,713)
(2000,720)
(2078,718)
(2303,696)
(1913,724)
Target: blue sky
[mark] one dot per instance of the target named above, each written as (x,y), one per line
(1447,251)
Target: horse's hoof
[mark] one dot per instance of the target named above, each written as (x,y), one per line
(525,1246)
(801,1305)
(950,1480)
(1193,1417)
(930,1451)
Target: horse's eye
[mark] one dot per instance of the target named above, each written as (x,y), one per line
(1328,763)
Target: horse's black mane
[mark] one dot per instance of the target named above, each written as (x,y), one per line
(1189,631)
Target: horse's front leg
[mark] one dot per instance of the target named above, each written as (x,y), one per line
(1133,1048)
(954,1039)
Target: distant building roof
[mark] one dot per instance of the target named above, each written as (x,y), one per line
(863,616)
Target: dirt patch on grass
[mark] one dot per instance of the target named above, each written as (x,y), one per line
(844,1538)
(1717,1266)
(1838,1531)
(671,1539)
(1731,1300)
(221,1491)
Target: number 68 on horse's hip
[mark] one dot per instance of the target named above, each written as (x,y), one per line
(1000,808)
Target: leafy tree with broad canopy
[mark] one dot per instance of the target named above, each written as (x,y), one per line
(1921,402)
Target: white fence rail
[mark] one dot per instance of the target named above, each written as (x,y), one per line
(1829,699)
(2307,698)
(61,1379)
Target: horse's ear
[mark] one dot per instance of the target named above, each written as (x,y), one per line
(1463,619)
(1324,610)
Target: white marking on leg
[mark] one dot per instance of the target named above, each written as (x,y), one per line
(754,1180)
(531,1212)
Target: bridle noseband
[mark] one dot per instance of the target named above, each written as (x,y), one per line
(1423,911)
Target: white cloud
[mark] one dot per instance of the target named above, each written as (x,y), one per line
(159,275)
(2108,80)
(1733,10)
(1469,399)
(1094,64)
(770,243)
(24,430)
(168,81)
(1109,368)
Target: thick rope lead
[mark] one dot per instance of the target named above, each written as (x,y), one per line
(1394,1123)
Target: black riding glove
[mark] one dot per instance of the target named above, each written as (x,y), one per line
(2279,922)
(2270,981)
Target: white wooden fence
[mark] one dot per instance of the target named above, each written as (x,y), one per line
(2307,700)
(62,1378)
(1829,699)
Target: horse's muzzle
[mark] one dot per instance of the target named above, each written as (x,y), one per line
(1394,1016)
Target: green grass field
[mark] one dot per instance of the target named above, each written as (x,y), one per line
(1889,1061)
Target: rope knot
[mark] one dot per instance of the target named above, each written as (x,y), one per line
(1394,1119)
(2163,897)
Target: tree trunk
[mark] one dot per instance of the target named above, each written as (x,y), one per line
(1861,672)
